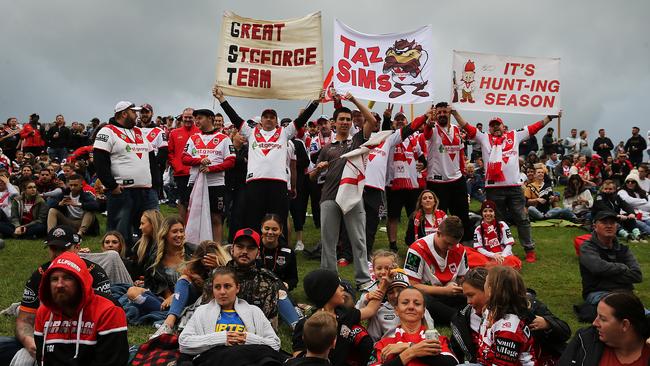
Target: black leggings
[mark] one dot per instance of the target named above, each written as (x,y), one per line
(265,196)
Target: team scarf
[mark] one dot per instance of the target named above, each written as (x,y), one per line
(420,219)
(490,234)
(494,171)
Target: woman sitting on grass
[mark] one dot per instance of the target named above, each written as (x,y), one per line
(208,256)
(226,320)
(146,247)
(425,219)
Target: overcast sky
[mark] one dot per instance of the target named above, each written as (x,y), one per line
(80,57)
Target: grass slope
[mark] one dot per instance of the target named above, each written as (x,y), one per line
(555,276)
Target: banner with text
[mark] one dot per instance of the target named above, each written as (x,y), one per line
(280,59)
(493,83)
(394,68)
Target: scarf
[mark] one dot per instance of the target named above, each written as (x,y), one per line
(494,171)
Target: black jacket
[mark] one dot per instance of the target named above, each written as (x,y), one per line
(550,343)
(605,151)
(61,140)
(612,202)
(282,262)
(585,349)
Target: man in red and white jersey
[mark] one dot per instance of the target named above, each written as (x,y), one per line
(266,180)
(210,152)
(176,144)
(402,188)
(435,265)
(126,166)
(502,185)
(446,165)
(156,137)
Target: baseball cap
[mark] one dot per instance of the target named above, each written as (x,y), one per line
(247,233)
(495,119)
(147,106)
(399,280)
(62,237)
(285,122)
(605,214)
(270,111)
(203,112)
(323,117)
(124,105)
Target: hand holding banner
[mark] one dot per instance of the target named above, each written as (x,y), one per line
(496,83)
(270,59)
(394,68)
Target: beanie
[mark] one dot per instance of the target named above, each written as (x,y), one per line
(320,285)
(488,204)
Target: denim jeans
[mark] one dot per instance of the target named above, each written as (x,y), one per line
(125,209)
(554,213)
(8,348)
(287,311)
(59,153)
(594,297)
(511,205)
(149,304)
(184,294)
(644,226)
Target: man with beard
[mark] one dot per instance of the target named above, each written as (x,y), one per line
(73,324)
(258,286)
(502,175)
(32,136)
(603,145)
(126,166)
(58,139)
(635,146)
(156,137)
(446,162)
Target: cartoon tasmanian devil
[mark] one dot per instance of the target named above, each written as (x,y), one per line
(403,61)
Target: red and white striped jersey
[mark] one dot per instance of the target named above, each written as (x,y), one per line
(267,152)
(402,171)
(215,146)
(445,155)
(424,265)
(156,137)
(507,342)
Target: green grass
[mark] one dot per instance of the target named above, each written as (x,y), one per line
(555,276)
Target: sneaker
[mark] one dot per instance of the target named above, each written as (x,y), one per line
(300,246)
(531,257)
(342,262)
(636,234)
(163,329)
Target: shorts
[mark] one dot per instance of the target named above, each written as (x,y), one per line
(217,199)
(401,198)
(183,189)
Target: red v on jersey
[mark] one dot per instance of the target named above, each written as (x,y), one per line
(152,134)
(446,141)
(127,139)
(262,141)
(201,146)
(372,154)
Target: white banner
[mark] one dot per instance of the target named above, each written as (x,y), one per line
(280,59)
(493,83)
(394,68)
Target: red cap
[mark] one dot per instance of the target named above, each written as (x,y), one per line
(148,107)
(495,119)
(247,233)
(469,66)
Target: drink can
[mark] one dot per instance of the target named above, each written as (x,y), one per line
(431,334)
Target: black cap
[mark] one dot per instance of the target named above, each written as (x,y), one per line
(285,122)
(269,111)
(605,214)
(203,112)
(63,237)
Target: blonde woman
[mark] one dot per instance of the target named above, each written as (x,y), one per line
(146,247)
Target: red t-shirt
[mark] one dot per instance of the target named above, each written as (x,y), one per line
(609,358)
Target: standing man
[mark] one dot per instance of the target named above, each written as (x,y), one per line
(502,174)
(32,136)
(176,144)
(329,161)
(549,144)
(445,165)
(635,146)
(58,139)
(156,137)
(10,137)
(74,326)
(603,146)
(211,153)
(126,165)
(572,143)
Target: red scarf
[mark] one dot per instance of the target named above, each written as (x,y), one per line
(490,237)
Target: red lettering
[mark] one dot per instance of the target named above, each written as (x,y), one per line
(310,58)
(241,75)
(344,71)
(489,99)
(276,58)
(267,32)
(265,79)
(519,83)
(367,79)
(253,76)
(266,57)
(524,100)
(384,83)
(255,31)
(512,100)
(243,50)
(374,54)
(554,86)
(286,58)
(254,52)
(485,82)
(245,28)
(360,56)
(298,60)
(278,27)
(347,43)
(530,70)
(501,99)
(549,101)
(509,84)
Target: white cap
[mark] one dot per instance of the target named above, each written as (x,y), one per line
(124,105)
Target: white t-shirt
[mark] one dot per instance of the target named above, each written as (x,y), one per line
(445,157)
(216,147)
(75,211)
(156,137)
(267,152)
(129,151)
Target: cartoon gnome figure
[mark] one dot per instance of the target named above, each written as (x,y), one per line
(466,85)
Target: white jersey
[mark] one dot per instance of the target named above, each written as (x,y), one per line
(445,157)
(402,163)
(267,152)
(215,146)
(378,161)
(156,137)
(129,151)
(508,159)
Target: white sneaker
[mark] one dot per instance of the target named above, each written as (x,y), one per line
(299,247)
